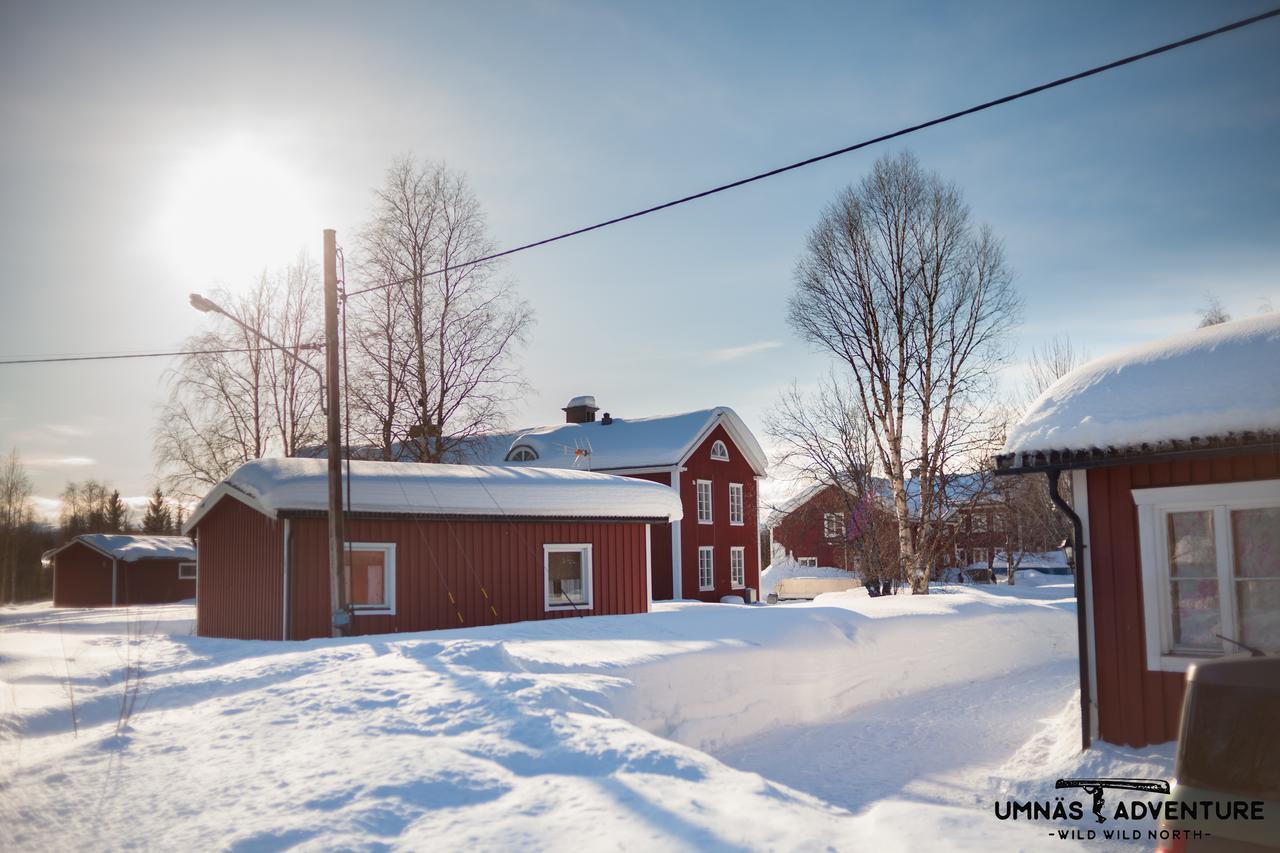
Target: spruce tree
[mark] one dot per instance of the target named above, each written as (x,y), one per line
(158,518)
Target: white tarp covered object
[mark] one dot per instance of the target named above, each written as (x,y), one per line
(132,547)
(276,485)
(1211,382)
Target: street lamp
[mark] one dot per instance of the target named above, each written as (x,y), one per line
(208,306)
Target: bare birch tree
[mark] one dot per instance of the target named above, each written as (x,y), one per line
(15,521)
(914,303)
(437,345)
(226,408)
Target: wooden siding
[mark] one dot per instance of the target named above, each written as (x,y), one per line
(661,545)
(720,533)
(1137,707)
(241,592)
(81,577)
(482,564)
(154,582)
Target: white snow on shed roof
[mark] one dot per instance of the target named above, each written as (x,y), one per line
(273,486)
(131,547)
(1211,382)
(661,441)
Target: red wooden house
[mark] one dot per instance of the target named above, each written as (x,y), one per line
(709,457)
(430,546)
(1174,455)
(116,569)
(812,528)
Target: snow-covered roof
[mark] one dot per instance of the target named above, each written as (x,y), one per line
(623,443)
(1214,382)
(132,547)
(273,486)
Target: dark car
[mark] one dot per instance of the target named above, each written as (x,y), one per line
(1228,762)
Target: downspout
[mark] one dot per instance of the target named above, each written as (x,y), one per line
(115,574)
(1082,603)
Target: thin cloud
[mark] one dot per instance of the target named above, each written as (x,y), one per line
(719,356)
(60,461)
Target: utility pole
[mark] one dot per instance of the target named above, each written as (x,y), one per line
(337,589)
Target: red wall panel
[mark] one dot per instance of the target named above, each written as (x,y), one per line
(241,580)
(802,533)
(154,582)
(457,573)
(81,577)
(1137,707)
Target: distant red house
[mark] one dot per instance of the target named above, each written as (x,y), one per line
(708,456)
(1174,455)
(812,528)
(115,569)
(432,546)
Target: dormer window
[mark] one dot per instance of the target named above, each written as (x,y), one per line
(720,452)
(523,453)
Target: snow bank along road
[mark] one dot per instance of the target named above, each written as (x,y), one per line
(849,723)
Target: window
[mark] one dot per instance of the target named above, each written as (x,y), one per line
(980,556)
(704,501)
(719,452)
(566,573)
(706,569)
(997,523)
(523,453)
(833,525)
(962,557)
(808,562)
(735,503)
(1210,566)
(737,567)
(978,522)
(186,571)
(371,577)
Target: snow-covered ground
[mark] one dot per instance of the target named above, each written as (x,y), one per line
(847,722)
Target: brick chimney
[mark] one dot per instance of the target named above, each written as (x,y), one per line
(581,410)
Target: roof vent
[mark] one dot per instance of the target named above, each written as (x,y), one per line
(581,410)
(606,419)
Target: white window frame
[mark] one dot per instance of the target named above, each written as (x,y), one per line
(1154,506)
(827,518)
(710,493)
(807,562)
(709,583)
(195,570)
(719,451)
(515,454)
(737,567)
(388,550)
(737,518)
(583,548)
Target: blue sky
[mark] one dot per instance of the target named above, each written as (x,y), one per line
(1121,199)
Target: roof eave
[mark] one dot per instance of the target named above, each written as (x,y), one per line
(1010,464)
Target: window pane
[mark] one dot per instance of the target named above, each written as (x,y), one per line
(1191,550)
(366,578)
(1196,617)
(1255,536)
(565,578)
(1259,623)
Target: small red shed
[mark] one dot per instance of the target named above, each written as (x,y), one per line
(116,569)
(1174,454)
(430,546)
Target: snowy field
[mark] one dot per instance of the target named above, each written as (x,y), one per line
(848,722)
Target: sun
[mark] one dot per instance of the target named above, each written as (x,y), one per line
(231,210)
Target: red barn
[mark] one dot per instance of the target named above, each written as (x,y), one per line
(430,546)
(111,569)
(1174,454)
(709,457)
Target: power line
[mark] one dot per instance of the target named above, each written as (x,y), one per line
(1061,81)
(50,360)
